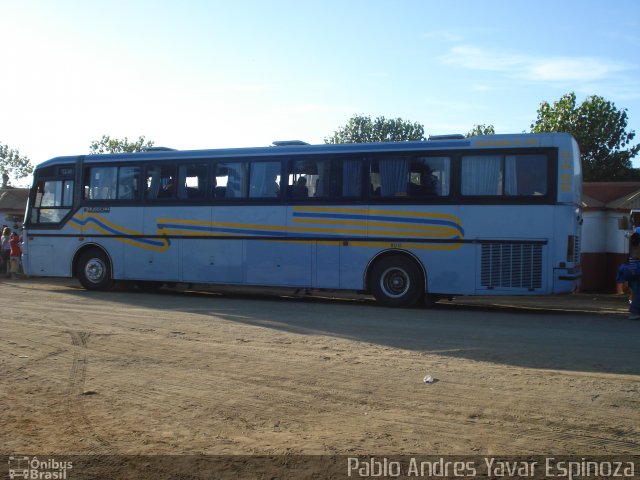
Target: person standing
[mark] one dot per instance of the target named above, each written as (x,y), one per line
(5,250)
(15,254)
(629,275)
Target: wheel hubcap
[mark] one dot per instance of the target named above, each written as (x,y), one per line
(395,282)
(94,270)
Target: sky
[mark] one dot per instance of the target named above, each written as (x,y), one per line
(196,74)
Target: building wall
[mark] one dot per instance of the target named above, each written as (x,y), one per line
(604,248)
(599,271)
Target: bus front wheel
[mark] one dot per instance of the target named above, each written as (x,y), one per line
(397,282)
(94,271)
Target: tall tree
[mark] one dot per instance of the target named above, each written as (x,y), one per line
(115,145)
(13,165)
(361,129)
(601,131)
(481,129)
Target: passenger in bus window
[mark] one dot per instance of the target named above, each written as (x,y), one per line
(428,186)
(300,189)
(270,188)
(429,182)
(169,190)
(127,190)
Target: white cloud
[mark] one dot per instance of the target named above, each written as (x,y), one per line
(585,69)
(540,69)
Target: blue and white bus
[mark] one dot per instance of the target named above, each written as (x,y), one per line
(404,221)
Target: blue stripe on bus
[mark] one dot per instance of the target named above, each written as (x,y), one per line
(166,226)
(195,228)
(262,233)
(88,220)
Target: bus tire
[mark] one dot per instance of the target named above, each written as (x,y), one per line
(397,281)
(94,270)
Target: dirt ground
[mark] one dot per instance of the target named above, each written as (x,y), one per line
(187,372)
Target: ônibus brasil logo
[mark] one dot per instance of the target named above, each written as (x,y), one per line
(32,468)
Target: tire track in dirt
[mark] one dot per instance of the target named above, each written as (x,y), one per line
(99,448)
(75,406)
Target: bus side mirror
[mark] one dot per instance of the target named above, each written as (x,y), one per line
(623,223)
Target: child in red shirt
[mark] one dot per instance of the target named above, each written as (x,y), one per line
(15,254)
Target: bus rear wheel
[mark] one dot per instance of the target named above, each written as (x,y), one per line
(397,282)
(94,270)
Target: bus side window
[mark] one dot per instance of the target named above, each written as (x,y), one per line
(429,177)
(264,180)
(482,175)
(389,177)
(192,181)
(100,183)
(337,178)
(230,180)
(128,181)
(500,175)
(161,181)
(303,178)
(351,177)
(526,175)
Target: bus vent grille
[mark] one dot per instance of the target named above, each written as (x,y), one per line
(576,248)
(511,265)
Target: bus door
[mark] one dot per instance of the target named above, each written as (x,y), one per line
(50,204)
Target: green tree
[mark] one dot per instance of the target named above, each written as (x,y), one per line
(481,129)
(361,129)
(13,165)
(115,145)
(601,131)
